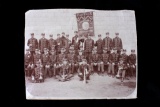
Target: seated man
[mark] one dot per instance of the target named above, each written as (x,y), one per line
(72,60)
(64,75)
(28,59)
(52,61)
(121,70)
(79,58)
(84,71)
(132,63)
(38,73)
(95,61)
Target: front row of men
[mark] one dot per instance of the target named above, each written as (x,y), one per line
(63,65)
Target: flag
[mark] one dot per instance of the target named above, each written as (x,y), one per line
(85,23)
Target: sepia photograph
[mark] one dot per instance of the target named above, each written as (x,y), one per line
(80,54)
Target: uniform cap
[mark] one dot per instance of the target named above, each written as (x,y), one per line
(67,35)
(58,34)
(124,50)
(117,33)
(32,33)
(132,50)
(75,31)
(99,35)
(42,33)
(51,35)
(107,33)
(63,33)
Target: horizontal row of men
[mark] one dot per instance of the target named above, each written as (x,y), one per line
(85,41)
(53,64)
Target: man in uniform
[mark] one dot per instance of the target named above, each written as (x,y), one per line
(28,59)
(36,57)
(88,47)
(107,42)
(45,62)
(105,60)
(60,58)
(95,61)
(64,74)
(52,61)
(117,43)
(113,63)
(75,42)
(79,58)
(132,63)
(59,44)
(43,43)
(84,71)
(124,57)
(67,43)
(52,42)
(99,44)
(72,59)
(33,44)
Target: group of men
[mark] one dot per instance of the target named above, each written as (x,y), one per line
(63,58)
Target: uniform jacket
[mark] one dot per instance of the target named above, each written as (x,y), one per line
(124,58)
(45,58)
(75,43)
(132,59)
(28,59)
(96,58)
(52,59)
(114,58)
(107,43)
(105,58)
(61,57)
(34,43)
(36,57)
(117,43)
(58,47)
(99,44)
(43,43)
(51,42)
(72,58)
(88,45)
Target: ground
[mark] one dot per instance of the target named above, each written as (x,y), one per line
(97,87)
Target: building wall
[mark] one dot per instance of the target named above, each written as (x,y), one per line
(60,20)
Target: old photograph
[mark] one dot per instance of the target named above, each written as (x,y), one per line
(80,54)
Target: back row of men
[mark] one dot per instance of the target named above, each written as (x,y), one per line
(85,41)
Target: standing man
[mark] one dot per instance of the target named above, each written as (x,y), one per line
(113,63)
(51,41)
(59,44)
(67,43)
(88,47)
(132,63)
(33,44)
(43,43)
(63,38)
(75,42)
(99,44)
(117,43)
(107,42)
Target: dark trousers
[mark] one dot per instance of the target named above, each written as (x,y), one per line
(88,55)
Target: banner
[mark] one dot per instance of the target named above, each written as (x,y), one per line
(85,23)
